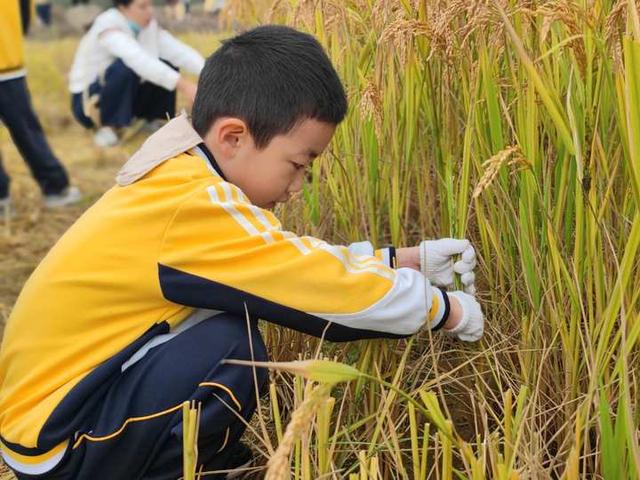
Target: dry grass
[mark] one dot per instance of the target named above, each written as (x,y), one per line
(5,473)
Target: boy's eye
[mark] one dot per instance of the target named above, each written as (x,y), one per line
(298,166)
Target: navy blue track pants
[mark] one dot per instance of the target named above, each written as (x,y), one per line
(123,96)
(135,429)
(17,114)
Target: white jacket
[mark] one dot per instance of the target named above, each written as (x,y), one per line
(110,38)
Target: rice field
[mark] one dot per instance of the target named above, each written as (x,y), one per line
(515,124)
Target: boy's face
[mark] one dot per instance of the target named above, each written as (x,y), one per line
(273,174)
(139,11)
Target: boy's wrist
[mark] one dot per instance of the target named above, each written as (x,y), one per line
(408,257)
(455,313)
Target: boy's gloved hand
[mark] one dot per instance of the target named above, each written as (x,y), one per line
(437,264)
(468,313)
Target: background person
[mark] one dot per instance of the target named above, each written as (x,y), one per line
(16,113)
(43,11)
(126,67)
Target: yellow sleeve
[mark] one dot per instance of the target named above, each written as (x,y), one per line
(221,252)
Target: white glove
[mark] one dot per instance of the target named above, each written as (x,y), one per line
(471,325)
(437,265)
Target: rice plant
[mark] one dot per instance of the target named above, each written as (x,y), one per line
(517,125)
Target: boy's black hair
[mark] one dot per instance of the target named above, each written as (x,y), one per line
(122,3)
(271,77)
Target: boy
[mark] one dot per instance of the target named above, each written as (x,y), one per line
(125,68)
(131,313)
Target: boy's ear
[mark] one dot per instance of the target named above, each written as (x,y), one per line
(229,134)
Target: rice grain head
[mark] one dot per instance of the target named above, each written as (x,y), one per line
(492,166)
(301,419)
(371,106)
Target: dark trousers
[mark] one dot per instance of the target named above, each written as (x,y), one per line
(135,432)
(44,13)
(123,96)
(17,114)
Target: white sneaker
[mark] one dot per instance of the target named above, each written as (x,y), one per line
(68,196)
(105,137)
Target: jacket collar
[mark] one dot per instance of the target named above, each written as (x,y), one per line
(174,138)
(206,154)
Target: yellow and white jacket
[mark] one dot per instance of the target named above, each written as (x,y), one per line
(171,238)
